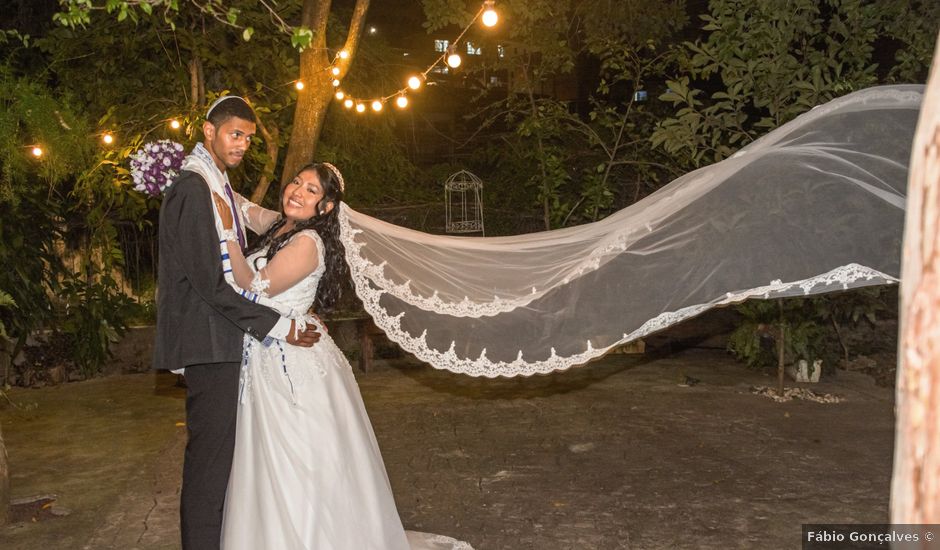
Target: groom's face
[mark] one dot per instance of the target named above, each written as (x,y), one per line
(228,142)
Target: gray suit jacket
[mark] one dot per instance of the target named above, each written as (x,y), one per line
(200,318)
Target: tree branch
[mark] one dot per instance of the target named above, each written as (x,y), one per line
(355,34)
(267,175)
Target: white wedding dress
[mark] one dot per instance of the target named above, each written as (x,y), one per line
(307,471)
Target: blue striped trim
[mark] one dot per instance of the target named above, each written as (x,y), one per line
(225,256)
(226,271)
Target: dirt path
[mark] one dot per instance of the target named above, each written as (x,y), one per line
(613,455)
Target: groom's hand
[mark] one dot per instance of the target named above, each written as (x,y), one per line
(303,339)
(319,320)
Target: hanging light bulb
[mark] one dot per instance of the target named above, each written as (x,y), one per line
(175,124)
(401,102)
(299,84)
(360,107)
(340,95)
(348,103)
(490,17)
(336,83)
(453,58)
(343,54)
(335,71)
(415,82)
(107,138)
(376,105)
(37,151)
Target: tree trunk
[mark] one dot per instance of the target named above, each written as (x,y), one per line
(915,488)
(312,104)
(781,346)
(4,483)
(315,64)
(271,147)
(197,83)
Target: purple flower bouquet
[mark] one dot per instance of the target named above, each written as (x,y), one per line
(156,165)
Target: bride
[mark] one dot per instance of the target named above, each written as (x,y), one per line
(307,471)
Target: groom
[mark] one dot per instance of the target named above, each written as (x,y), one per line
(201,321)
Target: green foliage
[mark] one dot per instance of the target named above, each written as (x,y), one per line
(27,249)
(811,325)
(755,339)
(760,64)
(301,38)
(863,304)
(63,205)
(370,156)
(13,36)
(161,58)
(773,61)
(77,13)
(6,303)
(94,316)
(236,15)
(581,163)
(129,66)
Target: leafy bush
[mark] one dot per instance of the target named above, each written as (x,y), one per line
(812,326)
(756,338)
(94,316)
(64,204)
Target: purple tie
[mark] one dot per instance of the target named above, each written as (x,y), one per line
(238,225)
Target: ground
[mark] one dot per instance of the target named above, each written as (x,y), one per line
(616,454)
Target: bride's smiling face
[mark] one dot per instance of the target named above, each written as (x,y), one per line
(302,197)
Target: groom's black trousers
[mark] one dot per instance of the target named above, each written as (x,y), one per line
(211,409)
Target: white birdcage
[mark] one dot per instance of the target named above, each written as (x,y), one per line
(463,196)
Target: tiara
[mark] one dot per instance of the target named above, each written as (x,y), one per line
(220,100)
(339,176)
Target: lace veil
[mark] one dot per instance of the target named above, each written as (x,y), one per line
(814,206)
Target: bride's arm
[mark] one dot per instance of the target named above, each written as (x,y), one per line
(240,268)
(297,259)
(294,261)
(257,219)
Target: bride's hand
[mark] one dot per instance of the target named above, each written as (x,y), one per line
(225,213)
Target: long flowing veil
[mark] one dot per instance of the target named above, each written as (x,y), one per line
(814,206)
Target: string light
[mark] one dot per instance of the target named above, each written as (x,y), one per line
(453,58)
(487,13)
(490,17)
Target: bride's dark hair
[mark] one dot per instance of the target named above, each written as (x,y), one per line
(327,226)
